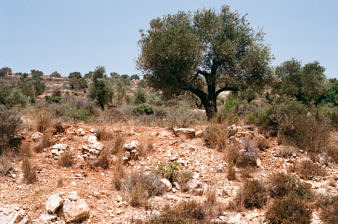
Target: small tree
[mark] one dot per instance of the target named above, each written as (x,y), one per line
(308,84)
(101,87)
(55,74)
(135,77)
(205,53)
(5,71)
(76,81)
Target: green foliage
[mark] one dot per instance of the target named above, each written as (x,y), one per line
(140,96)
(101,88)
(76,81)
(169,171)
(307,83)
(54,99)
(11,96)
(135,77)
(55,74)
(36,74)
(5,71)
(291,210)
(331,96)
(209,49)
(10,123)
(143,109)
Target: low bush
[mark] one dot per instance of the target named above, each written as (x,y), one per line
(10,123)
(26,149)
(291,210)
(231,173)
(5,166)
(58,128)
(329,210)
(29,172)
(102,134)
(143,109)
(67,159)
(44,143)
(307,169)
(139,187)
(169,171)
(140,96)
(251,195)
(54,99)
(117,146)
(215,136)
(282,185)
(286,151)
(103,160)
(43,122)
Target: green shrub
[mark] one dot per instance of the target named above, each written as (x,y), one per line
(10,123)
(140,96)
(291,210)
(169,171)
(251,195)
(54,99)
(143,109)
(329,210)
(74,114)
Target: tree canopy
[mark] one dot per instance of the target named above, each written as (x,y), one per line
(205,52)
(306,83)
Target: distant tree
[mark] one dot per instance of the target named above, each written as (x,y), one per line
(204,52)
(5,71)
(114,75)
(55,74)
(76,81)
(135,77)
(36,74)
(101,88)
(331,96)
(308,84)
(125,76)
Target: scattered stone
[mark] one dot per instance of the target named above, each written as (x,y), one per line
(177,186)
(131,145)
(47,218)
(36,136)
(58,149)
(199,134)
(184,132)
(166,184)
(53,203)
(75,210)
(80,132)
(92,139)
(13,214)
(193,184)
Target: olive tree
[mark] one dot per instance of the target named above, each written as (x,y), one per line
(306,83)
(205,52)
(101,88)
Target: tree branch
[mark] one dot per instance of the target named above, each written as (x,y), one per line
(226,88)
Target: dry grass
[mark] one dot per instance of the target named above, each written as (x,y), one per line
(286,151)
(307,169)
(146,146)
(230,171)
(103,135)
(290,210)
(43,122)
(332,150)
(67,159)
(60,182)
(246,158)
(139,187)
(211,197)
(251,195)
(58,128)
(247,172)
(103,160)
(29,172)
(26,150)
(215,136)
(263,144)
(10,123)
(5,166)
(118,174)
(329,210)
(117,146)
(45,142)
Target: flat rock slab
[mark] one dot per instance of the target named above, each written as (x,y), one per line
(185,132)
(75,210)
(53,203)
(12,214)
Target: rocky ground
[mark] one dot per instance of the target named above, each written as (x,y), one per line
(87,193)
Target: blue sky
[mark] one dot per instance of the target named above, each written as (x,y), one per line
(78,35)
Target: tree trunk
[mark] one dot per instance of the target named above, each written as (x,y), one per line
(210,107)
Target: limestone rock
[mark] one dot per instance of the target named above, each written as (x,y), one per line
(37,135)
(131,145)
(185,132)
(166,184)
(92,139)
(47,218)
(60,147)
(12,214)
(53,203)
(193,184)
(75,210)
